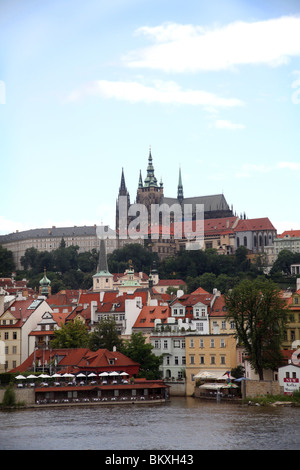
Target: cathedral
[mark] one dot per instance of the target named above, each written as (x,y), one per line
(151,192)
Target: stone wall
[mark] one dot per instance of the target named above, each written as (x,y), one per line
(25,395)
(261,387)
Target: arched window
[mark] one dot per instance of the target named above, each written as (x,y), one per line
(245,241)
(237,241)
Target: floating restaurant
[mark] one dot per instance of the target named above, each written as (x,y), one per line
(82,376)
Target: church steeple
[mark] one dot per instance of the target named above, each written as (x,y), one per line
(180,188)
(150,180)
(102,280)
(140,180)
(123,190)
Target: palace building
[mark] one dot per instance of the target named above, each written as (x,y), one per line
(150,192)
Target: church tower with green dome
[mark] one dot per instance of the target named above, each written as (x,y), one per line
(45,285)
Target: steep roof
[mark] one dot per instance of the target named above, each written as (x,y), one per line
(253,225)
(290,234)
(149,314)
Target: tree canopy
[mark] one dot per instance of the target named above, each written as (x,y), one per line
(139,351)
(105,336)
(260,316)
(70,335)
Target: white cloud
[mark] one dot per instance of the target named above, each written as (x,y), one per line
(289,165)
(165,92)
(180,48)
(10,226)
(223,124)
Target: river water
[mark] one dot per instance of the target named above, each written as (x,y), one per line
(182,424)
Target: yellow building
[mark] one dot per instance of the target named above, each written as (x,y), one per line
(292,333)
(215,353)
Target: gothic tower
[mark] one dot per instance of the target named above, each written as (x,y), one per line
(124,193)
(180,189)
(150,192)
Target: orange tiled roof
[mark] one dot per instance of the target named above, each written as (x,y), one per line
(246,225)
(149,314)
(290,233)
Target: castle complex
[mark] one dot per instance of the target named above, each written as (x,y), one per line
(223,230)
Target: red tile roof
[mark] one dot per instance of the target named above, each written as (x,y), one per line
(218,307)
(248,225)
(74,360)
(149,314)
(289,233)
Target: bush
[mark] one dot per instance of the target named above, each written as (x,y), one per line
(9,398)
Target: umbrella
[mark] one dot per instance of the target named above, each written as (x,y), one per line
(103,374)
(44,376)
(114,373)
(31,376)
(19,377)
(204,375)
(230,385)
(124,373)
(81,375)
(67,375)
(55,376)
(92,374)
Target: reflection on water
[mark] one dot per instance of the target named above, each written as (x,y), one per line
(184,423)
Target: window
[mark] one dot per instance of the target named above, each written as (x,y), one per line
(201,343)
(157,344)
(223,325)
(212,343)
(201,359)
(222,360)
(192,359)
(165,344)
(222,343)
(212,359)
(191,343)
(176,343)
(176,361)
(14,335)
(183,360)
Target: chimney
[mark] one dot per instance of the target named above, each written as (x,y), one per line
(93,310)
(2,295)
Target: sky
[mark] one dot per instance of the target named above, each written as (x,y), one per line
(86,88)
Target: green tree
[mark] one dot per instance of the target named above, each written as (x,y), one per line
(105,336)
(283,262)
(71,335)
(139,351)
(142,259)
(260,316)
(7,265)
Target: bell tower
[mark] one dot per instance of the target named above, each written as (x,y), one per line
(150,192)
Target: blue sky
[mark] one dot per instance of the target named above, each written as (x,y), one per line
(87,87)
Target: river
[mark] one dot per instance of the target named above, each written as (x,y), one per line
(181,424)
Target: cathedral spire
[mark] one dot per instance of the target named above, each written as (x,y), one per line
(150,179)
(123,189)
(180,188)
(140,180)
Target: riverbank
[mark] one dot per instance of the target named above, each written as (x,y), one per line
(274,400)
